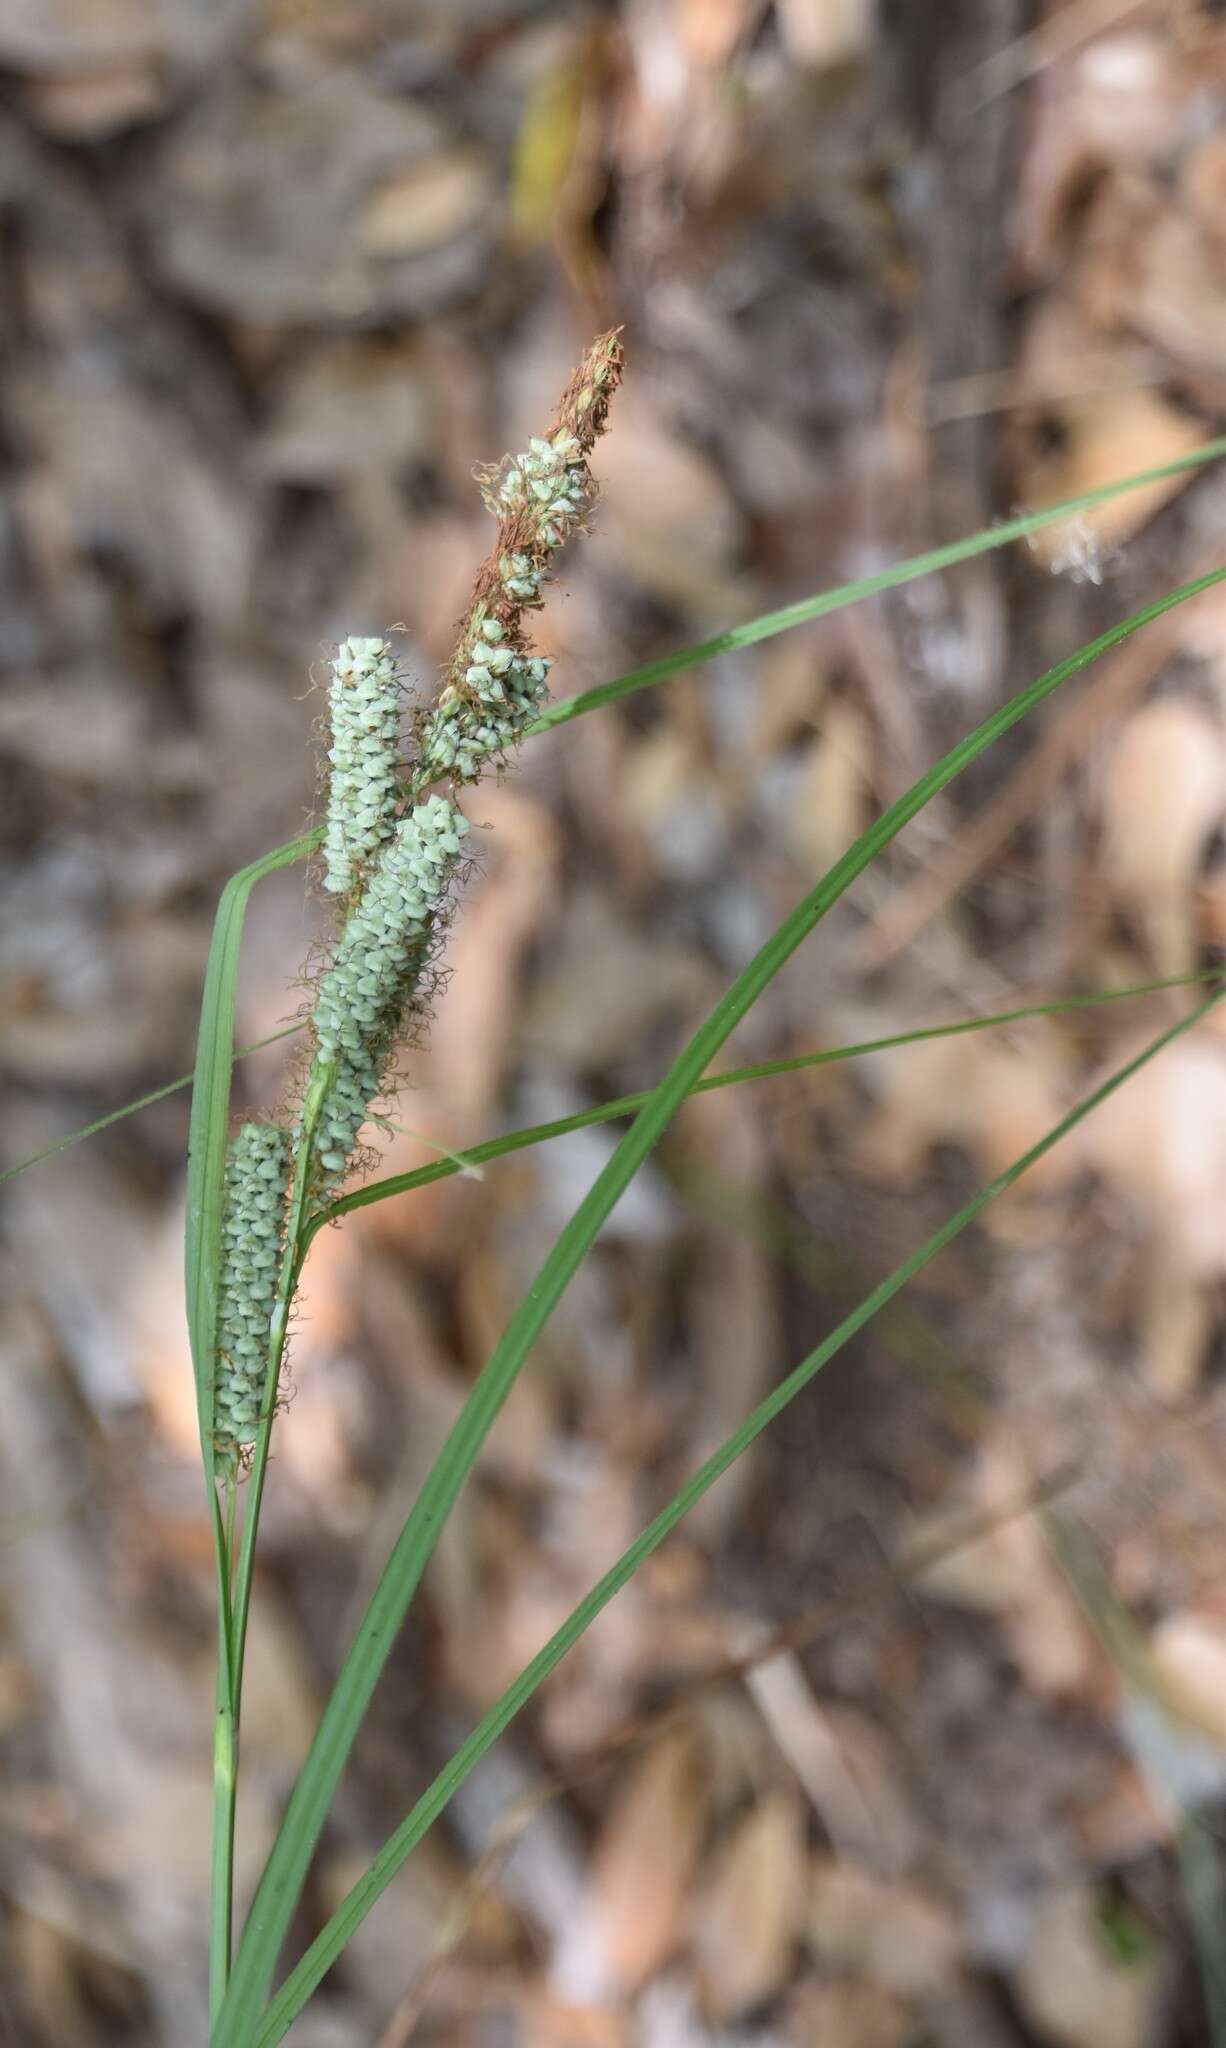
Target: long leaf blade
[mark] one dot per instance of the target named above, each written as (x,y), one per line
(117,1116)
(759,1070)
(329,1943)
(209,1126)
(826,601)
(209,1130)
(514,1141)
(290,1857)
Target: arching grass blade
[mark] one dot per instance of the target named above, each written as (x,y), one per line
(289,1860)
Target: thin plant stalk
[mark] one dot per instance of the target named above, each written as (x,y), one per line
(205,1176)
(225,1763)
(116,1116)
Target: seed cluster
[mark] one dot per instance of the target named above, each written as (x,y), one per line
(550,483)
(253,1222)
(379,957)
(539,499)
(502,688)
(364,721)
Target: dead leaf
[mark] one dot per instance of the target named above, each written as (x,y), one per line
(351,405)
(749,1912)
(1104,439)
(1073,1990)
(426,204)
(1009,1573)
(1189,1653)
(228,226)
(93,104)
(822,33)
(1161,798)
(1162,1140)
(847,2015)
(505,907)
(1180,295)
(993,1097)
(50,36)
(891,1933)
(833,792)
(843,1763)
(667,510)
(633,1915)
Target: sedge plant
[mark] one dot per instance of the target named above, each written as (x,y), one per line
(393,849)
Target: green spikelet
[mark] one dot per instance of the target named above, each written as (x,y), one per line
(257,1174)
(364,720)
(367,991)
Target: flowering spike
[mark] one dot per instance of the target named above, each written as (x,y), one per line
(363,995)
(253,1222)
(364,715)
(494,686)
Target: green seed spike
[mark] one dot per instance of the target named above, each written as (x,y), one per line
(364,716)
(256,1186)
(366,992)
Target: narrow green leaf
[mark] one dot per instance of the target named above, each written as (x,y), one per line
(116,1116)
(826,601)
(329,1943)
(289,1860)
(209,1132)
(210,1124)
(760,1070)
(516,1140)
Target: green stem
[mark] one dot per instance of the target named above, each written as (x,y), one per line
(206,1167)
(221,1879)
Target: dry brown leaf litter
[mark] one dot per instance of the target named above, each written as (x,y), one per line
(257,344)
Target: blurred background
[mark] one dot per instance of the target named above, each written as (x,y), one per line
(916,1733)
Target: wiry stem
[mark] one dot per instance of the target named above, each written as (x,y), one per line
(221,1882)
